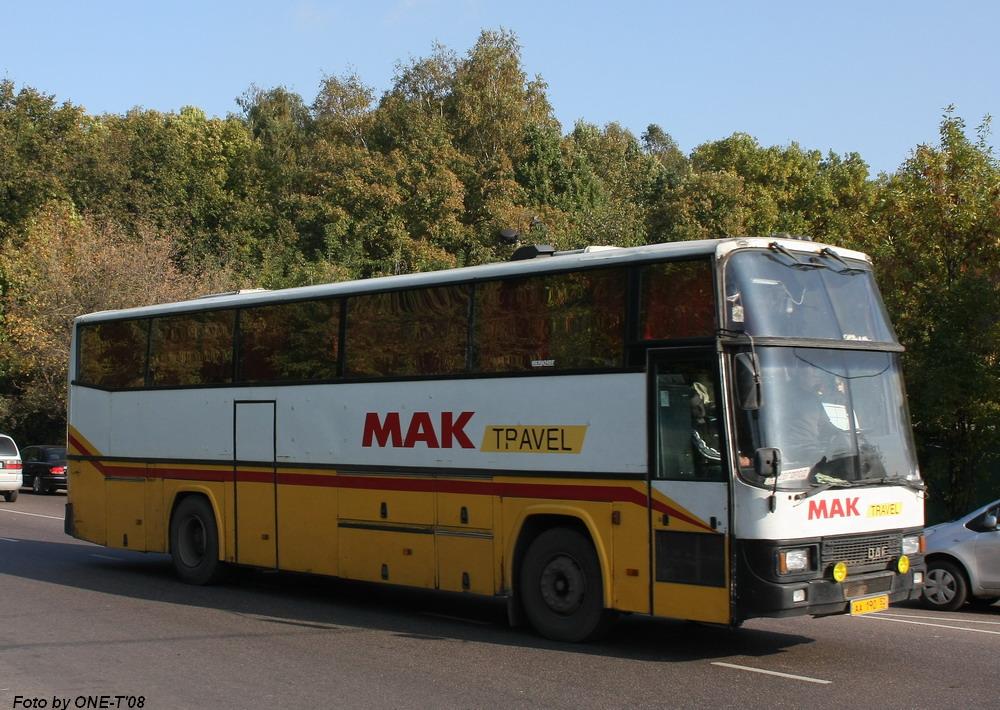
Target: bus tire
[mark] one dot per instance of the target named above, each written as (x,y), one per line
(194,542)
(561,588)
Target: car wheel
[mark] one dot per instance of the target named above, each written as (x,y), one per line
(36,486)
(944,586)
(561,589)
(11,496)
(194,542)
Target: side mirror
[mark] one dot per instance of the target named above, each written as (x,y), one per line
(990,522)
(748,381)
(767,462)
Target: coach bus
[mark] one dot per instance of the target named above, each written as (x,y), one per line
(709,430)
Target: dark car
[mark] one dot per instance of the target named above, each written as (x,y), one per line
(44,467)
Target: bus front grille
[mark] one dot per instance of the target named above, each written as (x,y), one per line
(861,552)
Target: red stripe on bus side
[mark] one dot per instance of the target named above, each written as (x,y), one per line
(550,491)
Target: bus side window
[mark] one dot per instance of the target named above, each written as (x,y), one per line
(676,300)
(549,323)
(113,354)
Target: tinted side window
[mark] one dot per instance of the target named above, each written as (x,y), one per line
(113,354)
(289,342)
(551,322)
(29,454)
(676,300)
(192,349)
(403,333)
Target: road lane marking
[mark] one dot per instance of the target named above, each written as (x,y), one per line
(34,515)
(806,678)
(940,618)
(105,557)
(922,623)
(7,539)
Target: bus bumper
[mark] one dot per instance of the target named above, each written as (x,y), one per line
(758,597)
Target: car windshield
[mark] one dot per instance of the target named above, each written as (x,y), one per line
(780,293)
(838,417)
(56,454)
(7,447)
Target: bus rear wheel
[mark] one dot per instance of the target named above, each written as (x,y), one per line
(561,589)
(194,542)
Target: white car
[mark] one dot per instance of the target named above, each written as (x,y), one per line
(10,468)
(963,560)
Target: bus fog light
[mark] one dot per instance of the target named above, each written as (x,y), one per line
(918,578)
(911,544)
(799,595)
(840,572)
(793,561)
(903,564)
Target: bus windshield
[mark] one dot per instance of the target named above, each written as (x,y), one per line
(837,416)
(792,294)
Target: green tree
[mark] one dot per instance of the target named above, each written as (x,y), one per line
(937,246)
(42,145)
(736,187)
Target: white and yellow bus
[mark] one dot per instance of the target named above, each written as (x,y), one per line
(710,430)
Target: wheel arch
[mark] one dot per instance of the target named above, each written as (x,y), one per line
(948,557)
(533,521)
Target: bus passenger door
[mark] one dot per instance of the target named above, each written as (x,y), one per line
(689,490)
(256,483)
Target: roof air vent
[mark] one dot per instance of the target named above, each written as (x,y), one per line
(532,251)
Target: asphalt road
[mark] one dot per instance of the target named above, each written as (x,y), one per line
(80,622)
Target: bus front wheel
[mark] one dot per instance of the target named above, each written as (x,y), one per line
(194,542)
(560,587)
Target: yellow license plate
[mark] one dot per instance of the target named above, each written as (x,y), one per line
(869,605)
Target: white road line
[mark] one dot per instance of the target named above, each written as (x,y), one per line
(940,618)
(7,539)
(105,557)
(807,679)
(34,515)
(921,623)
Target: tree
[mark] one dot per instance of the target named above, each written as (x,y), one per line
(937,245)
(41,145)
(68,265)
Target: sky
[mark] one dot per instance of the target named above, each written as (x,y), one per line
(871,77)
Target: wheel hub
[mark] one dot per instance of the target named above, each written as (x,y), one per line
(192,542)
(939,586)
(563,585)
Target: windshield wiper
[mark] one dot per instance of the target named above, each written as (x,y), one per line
(824,482)
(848,269)
(891,481)
(798,264)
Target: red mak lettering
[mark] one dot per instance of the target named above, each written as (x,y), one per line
(837,508)
(420,430)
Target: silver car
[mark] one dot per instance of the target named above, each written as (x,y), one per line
(963,560)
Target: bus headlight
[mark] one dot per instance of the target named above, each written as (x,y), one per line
(911,544)
(790,561)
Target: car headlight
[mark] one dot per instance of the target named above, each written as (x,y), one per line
(793,560)
(911,544)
